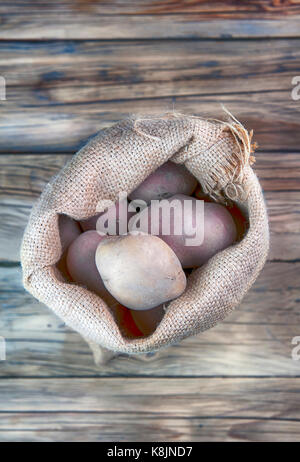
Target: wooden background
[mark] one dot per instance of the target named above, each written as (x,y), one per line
(73,67)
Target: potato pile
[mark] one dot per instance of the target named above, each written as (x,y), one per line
(139,268)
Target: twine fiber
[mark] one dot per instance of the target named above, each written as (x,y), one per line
(119,159)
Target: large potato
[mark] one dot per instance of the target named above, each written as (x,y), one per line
(148,320)
(81,264)
(114,214)
(141,272)
(167,180)
(218,228)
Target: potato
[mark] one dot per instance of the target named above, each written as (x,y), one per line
(237,214)
(219,230)
(199,194)
(240,220)
(113,213)
(148,320)
(69,230)
(141,272)
(167,180)
(81,264)
(82,267)
(125,321)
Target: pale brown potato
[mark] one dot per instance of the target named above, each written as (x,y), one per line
(167,180)
(148,320)
(81,264)
(218,228)
(110,213)
(141,272)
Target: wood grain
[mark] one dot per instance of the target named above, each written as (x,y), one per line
(178,409)
(79,88)
(223,9)
(147,19)
(124,427)
(22,178)
(84,71)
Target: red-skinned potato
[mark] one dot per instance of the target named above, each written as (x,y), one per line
(199,194)
(82,267)
(167,180)
(83,270)
(148,320)
(125,321)
(219,230)
(113,213)
(69,230)
(239,218)
(141,272)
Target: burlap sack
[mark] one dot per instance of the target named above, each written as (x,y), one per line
(119,159)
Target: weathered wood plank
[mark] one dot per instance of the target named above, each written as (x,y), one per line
(255,340)
(148,19)
(89,71)
(22,178)
(278,171)
(124,427)
(209,8)
(273,115)
(78,88)
(275,397)
(178,409)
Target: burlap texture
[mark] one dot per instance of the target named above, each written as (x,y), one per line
(119,159)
